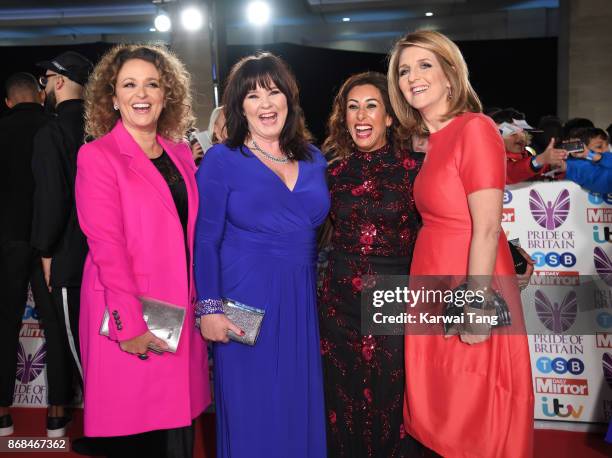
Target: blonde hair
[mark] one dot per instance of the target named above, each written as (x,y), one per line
(176,118)
(463,98)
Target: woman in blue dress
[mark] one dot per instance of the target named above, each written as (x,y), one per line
(262,196)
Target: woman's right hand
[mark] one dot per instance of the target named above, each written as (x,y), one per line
(214,327)
(140,345)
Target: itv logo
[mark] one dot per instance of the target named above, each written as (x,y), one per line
(560,410)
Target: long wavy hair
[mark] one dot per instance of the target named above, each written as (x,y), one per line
(265,70)
(463,97)
(176,117)
(339,144)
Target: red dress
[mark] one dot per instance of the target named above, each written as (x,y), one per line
(465,400)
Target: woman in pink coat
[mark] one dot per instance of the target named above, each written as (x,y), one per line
(137,203)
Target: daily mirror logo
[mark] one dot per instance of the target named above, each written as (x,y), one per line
(565,386)
(550,215)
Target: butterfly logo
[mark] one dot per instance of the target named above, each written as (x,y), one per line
(30,366)
(549,215)
(603,265)
(606,362)
(556,317)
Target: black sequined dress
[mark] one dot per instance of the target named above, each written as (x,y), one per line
(375,224)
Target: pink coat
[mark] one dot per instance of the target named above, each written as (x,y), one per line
(136,249)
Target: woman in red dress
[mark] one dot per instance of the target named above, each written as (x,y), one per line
(468,395)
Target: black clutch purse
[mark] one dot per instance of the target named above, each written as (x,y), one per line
(520,263)
(496,305)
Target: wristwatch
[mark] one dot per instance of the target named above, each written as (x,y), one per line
(534,163)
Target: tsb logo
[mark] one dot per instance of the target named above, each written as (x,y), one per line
(553,259)
(507,197)
(560,365)
(508,215)
(575,387)
(596,198)
(559,410)
(604,320)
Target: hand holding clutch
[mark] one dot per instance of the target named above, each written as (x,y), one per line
(215,327)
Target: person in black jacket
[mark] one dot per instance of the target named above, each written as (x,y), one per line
(19,262)
(55,228)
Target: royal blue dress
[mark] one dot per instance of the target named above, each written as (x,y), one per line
(256,243)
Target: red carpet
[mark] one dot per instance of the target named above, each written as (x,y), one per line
(548,443)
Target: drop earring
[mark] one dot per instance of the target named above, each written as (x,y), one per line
(450,93)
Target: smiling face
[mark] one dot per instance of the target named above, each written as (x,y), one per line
(366,118)
(516,142)
(423,82)
(139,95)
(265,111)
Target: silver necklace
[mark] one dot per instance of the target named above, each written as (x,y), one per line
(269,156)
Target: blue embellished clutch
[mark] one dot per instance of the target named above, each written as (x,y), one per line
(247,318)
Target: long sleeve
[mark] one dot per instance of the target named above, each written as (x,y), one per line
(605,161)
(99,210)
(210,226)
(520,170)
(52,192)
(590,176)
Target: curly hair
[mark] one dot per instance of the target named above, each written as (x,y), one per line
(339,143)
(265,70)
(176,117)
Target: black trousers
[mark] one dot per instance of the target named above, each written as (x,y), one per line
(18,266)
(163,443)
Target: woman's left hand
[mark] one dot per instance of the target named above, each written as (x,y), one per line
(472,339)
(523,279)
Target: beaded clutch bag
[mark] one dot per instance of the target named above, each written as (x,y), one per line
(247,318)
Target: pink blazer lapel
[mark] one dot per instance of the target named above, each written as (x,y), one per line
(141,165)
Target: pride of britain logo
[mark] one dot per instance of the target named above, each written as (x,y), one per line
(603,265)
(549,215)
(30,366)
(557,317)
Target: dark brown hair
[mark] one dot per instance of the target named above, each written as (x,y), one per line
(264,70)
(176,118)
(339,142)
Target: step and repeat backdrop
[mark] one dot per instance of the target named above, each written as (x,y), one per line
(568,305)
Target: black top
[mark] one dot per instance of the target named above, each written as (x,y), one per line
(373,210)
(17,130)
(176,183)
(55,227)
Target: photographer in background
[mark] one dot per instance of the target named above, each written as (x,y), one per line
(589,163)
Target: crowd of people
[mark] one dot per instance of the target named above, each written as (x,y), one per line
(410,180)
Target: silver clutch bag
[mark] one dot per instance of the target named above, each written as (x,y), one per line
(247,318)
(163,319)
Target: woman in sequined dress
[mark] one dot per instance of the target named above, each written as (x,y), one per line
(374,227)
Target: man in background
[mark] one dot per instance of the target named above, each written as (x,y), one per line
(55,228)
(19,262)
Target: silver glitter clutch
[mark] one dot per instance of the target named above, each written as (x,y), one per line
(247,318)
(163,319)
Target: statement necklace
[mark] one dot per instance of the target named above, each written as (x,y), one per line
(279,160)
